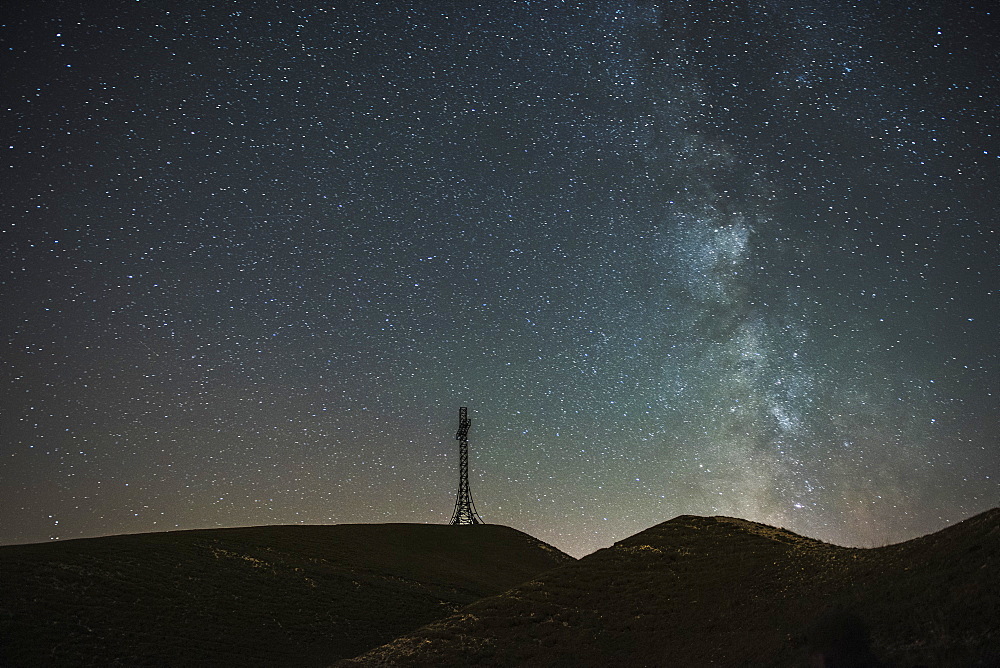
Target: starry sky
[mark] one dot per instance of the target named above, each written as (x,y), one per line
(676,257)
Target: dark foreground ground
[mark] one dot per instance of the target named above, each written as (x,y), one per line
(717,591)
(257,596)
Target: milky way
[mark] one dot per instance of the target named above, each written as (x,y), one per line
(676,258)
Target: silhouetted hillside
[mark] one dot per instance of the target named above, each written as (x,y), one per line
(265,596)
(701,591)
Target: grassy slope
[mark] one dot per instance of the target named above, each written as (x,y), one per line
(700,591)
(268,596)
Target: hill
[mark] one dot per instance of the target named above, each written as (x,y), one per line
(718,591)
(257,596)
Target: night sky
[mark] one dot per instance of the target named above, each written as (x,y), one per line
(676,257)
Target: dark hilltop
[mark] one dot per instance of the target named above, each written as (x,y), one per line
(694,591)
(718,591)
(257,596)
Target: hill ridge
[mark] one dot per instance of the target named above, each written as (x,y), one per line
(271,595)
(697,522)
(725,591)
